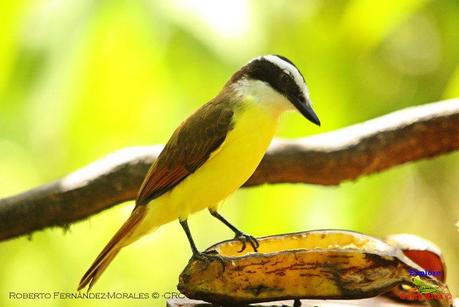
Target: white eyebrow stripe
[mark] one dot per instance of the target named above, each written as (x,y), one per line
(284,65)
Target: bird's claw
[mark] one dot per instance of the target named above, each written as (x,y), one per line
(244,238)
(208,256)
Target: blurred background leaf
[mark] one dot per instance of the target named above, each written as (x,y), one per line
(80,79)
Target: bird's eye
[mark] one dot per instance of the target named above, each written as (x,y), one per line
(284,77)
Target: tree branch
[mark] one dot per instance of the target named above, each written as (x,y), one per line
(328,159)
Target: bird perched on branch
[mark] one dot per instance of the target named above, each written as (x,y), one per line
(212,153)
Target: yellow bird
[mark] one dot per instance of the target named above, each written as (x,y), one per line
(212,153)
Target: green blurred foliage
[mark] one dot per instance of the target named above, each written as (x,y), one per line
(81,78)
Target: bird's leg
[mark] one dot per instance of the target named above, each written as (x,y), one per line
(185,227)
(244,238)
(206,257)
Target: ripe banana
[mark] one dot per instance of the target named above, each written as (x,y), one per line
(326,264)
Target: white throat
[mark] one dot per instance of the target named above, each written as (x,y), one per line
(263,94)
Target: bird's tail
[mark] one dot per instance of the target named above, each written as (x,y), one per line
(124,236)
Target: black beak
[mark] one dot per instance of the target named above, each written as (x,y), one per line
(306,110)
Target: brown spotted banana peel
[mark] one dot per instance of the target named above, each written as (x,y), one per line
(325,264)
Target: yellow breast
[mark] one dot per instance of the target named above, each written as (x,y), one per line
(225,171)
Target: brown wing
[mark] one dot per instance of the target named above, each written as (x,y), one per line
(189,147)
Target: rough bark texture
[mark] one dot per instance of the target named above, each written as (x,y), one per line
(327,159)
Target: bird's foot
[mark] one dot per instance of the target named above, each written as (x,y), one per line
(208,256)
(244,238)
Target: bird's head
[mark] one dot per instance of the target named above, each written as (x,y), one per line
(275,78)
